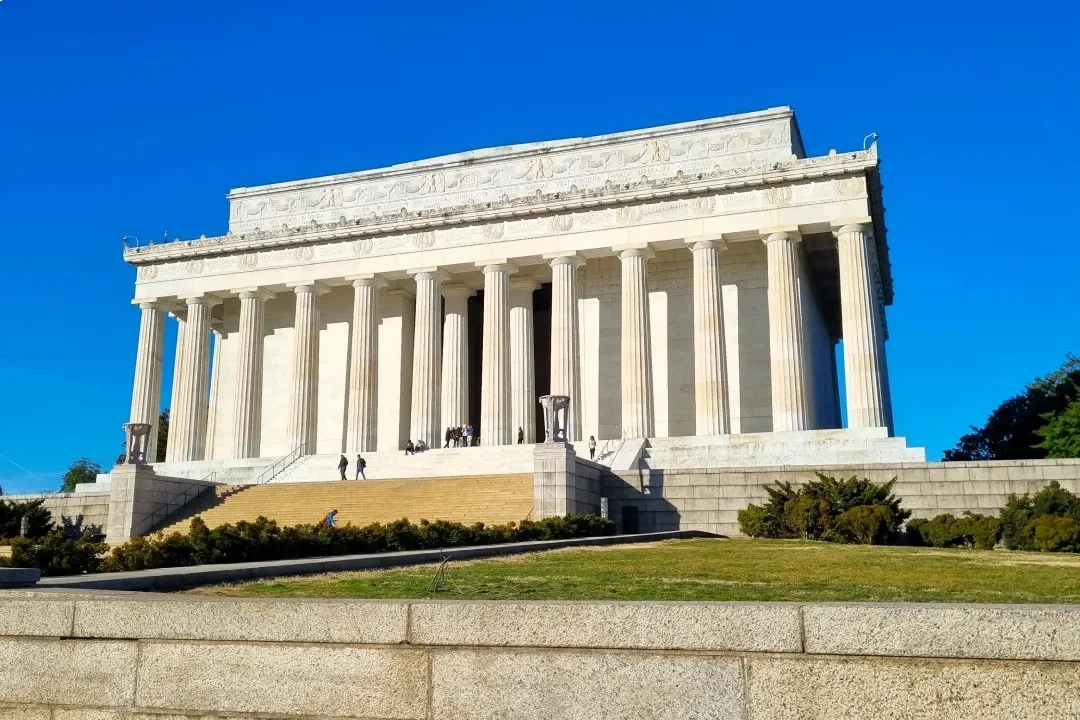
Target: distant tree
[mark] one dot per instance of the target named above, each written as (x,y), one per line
(81,471)
(1061,435)
(162,435)
(1012,430)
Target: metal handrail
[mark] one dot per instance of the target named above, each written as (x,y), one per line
(600,456)
(281,465)
(185,496)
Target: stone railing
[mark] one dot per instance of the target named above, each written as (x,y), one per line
(113,656)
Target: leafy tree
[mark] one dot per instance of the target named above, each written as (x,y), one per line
(162,435)
(80,471)
(1012,432)
(1061,435)
(12,513)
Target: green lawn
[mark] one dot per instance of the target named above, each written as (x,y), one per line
(720,569)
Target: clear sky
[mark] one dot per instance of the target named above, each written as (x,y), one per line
(121,118)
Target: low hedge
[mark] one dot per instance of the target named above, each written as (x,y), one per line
(264,540)
(970,530)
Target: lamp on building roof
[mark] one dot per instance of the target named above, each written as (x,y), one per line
(872,135)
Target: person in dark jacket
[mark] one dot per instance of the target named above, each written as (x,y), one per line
(361,463)
(521,436)
(342,466)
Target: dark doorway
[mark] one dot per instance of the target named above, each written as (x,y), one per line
(629,520)
(541,351)
(476,357)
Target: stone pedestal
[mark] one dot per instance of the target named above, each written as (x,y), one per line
(562,483)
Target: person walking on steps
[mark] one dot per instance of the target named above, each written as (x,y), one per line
(449,436)
(521,436)
(361,463)
(331,519)
(342,466)
(592,447)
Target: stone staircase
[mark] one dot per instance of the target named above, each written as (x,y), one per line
(394,465)
(491,499)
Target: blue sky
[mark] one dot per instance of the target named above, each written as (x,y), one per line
(132,117)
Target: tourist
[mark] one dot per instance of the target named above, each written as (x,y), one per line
(592,447)
(410,449)
(331,519)
(342,466)
(468,435)
(521,436)
(361,463)
(461,436)
(449,436)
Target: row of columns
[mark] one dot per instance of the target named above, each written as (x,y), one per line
(440,352)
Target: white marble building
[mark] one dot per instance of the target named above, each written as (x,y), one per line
(688,281)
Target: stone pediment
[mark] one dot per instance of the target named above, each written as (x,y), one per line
(502,175)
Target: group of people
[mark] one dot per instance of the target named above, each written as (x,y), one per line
(463,436)
(343,466)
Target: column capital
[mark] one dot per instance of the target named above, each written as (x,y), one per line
(857,224)
(778,234)
(706,242)
(524,284)
(497,266)
(250,293)
(566,258)
(641,250)
(203,299)
(366,280)
(153,304)
(458,290)
(428,273)
(315,287)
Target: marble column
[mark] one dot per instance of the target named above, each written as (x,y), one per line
(304,407)
(247,397)
(455,358)
(495,378)
(361,435)
(565,351)
(187,424)
(637,392)
(522,360)
(146,391)
(787,362)
(427,357)
(215,388)
(864,366)
(710,351)
(174,395)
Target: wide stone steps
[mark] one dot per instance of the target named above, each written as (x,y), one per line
(491,499)
(395,465)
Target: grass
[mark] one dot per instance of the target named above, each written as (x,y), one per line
(716,569)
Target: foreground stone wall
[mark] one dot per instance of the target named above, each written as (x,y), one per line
(710,499)
(122,656)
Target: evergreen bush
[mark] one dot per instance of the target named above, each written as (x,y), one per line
(970,530)
(1020,512)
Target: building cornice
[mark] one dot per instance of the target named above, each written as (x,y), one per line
(540,203)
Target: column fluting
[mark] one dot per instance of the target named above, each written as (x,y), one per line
(247,403)
(710,352)
(455,358)
(146,389)
(522,360)
(864,367)
(304,407)
(187,426)
(427,357)
(637,395)
(787,360)
(174,394)
(364,366)
(495,377)
(565,351)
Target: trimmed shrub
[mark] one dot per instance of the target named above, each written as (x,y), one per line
(814,511)
(1054,533)
(970,530)
(263,539)
(57,554)
(1020,511)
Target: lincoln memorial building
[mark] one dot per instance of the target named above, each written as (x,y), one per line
(687,286)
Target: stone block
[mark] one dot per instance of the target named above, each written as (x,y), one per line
(18,577)
(39,617)
(321,680)
(67,672)
(699,504)
(757,627)
(842,689)
(707,491)
(24,713)
(382,623)
(1020,632)
(508,685)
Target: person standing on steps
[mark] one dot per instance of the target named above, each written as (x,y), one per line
(592,447)
(410,449)
(468,435)
(449,437)
(361,463)
(521,436)
(342,466)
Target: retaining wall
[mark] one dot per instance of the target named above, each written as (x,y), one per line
(126,656)
(93,507)
(710,499)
